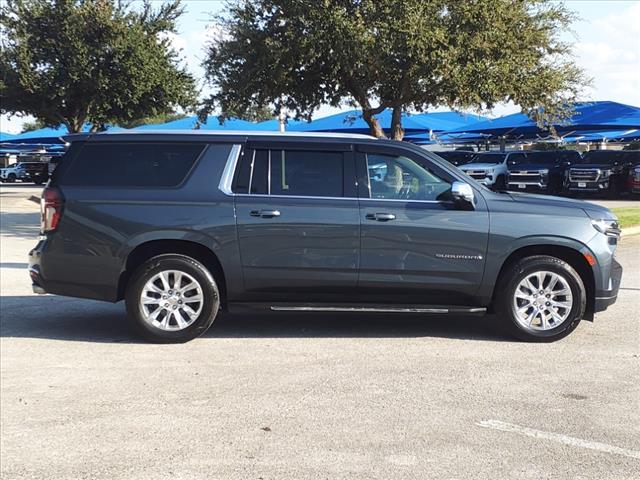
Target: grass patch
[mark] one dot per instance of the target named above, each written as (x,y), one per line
(628,216)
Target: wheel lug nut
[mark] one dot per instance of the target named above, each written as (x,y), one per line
(175,306)
(164,297)
(548,303)
(166,305)
(180,302)
(170,292)
(548,296)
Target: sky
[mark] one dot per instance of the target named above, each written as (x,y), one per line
(606,45)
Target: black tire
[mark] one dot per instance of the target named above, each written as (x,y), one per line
(511,278)
(184,264)
(11,178)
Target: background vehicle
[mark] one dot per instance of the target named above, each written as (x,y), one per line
(633,183)
(490,168)
(541,171)
(601,171)
(456,157)
(181,225)
(37,172)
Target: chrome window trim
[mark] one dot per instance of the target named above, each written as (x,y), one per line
(229,170)
(226,182)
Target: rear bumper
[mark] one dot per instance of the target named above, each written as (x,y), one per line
(52,273)
(609,295)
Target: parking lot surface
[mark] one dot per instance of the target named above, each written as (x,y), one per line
(308,396)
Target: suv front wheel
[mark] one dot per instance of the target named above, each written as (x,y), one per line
(172,299)
(540,299)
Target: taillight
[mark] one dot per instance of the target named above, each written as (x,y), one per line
(50,209)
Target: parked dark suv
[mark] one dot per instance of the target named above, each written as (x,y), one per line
(540,171)
(601,171)
(181,225)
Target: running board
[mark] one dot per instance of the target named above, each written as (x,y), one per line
(377,309)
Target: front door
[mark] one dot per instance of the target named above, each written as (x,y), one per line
(298,223)
(417,245)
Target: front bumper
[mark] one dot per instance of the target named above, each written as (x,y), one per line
(599,186)
(608,296)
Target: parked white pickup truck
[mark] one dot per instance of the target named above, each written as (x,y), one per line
(37,172)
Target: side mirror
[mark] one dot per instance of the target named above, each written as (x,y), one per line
(462,192)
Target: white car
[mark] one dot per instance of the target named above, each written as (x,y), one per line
(490,168)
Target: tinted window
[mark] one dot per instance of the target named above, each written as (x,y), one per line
(606,157)
(307,173)
(537,158)
(260,172)
(488,158)
(400,178)
(132,164)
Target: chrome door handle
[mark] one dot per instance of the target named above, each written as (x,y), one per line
(265,213)
(380,217)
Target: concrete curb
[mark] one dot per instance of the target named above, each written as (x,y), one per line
(626,232)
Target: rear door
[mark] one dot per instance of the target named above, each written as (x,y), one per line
(298,221)
(417,246)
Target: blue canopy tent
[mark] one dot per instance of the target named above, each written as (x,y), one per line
(352,122)
(274,125)
(589,116)
(4,136)
(613,136)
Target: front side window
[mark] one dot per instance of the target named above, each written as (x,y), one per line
(291,173)
(400,178)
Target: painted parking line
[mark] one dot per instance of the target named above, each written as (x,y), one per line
(558,437)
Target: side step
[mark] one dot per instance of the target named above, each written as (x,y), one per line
(437,309)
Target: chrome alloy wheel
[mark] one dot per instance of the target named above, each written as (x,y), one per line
(542,301)
(171,300)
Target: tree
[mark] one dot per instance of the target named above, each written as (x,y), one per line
(75,61)
(31,126)
(398,54)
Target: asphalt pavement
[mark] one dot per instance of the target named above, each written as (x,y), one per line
(308,396)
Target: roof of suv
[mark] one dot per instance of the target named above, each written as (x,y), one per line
(226,134)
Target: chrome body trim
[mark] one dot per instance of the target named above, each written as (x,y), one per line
(229,170)
(293,308)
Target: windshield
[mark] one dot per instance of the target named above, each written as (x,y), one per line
(538,158)
(488,158)
(601,157)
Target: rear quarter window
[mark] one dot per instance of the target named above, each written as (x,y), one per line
(132,164)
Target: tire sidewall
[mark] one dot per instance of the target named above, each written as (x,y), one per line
(211,298)
(526,268)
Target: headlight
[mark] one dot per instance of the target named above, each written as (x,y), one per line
(605,173)
(609,227)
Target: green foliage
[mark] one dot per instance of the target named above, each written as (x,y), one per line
(398,54)
(31,126)
(76,61)
(153,120)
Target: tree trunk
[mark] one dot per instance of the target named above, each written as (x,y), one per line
(397,132)
(374,126)
(74,125)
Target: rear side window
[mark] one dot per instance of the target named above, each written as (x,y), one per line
(290,172)
(132,164)
(310,174)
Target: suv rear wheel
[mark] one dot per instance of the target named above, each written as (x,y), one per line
(540,299)
(172,299)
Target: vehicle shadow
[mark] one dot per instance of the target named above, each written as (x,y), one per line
(60,318)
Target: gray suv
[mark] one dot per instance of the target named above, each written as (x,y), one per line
(181,225)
